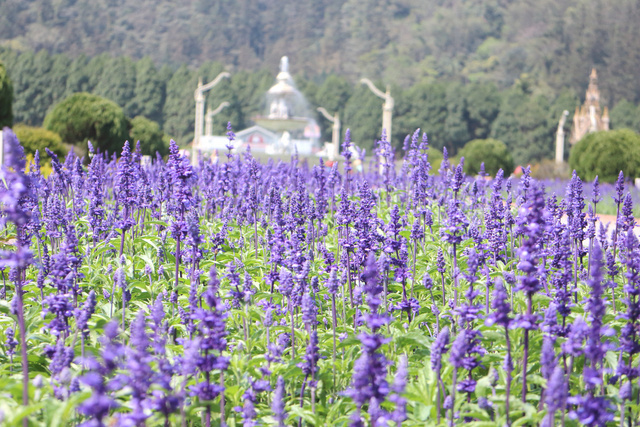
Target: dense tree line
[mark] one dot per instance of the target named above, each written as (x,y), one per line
(6,98)
(524,115)
(398,41)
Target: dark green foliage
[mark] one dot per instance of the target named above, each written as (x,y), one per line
(332,95)
(399,41)
(249,99)
(456,129)
(149,91)
(483,106)
(489,84)
(85,117)
(492,152)
(179,109)
(363,115)
(151,138)
(31,76)
(606,154)
(118,83)
(526,124)
(625,115)
(78,76)
(6,98)
(424,107)
(35,138)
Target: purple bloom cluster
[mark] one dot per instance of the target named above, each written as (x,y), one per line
(311,299)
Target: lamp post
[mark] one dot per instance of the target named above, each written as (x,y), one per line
(335,134)
(208,121)
(560,138)
(387,107)
(199,97)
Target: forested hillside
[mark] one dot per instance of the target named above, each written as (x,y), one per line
(452,113)
(459,69)
(398,41)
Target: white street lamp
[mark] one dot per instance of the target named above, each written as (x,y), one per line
(387,107)
(335,134)
(208,122)
(199,97)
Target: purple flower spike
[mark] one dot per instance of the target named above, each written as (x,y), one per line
(438,348)
(278,404)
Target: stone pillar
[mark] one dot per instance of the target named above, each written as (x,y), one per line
(335,136)
(208,123)
(198,126)
(560,138)
(335,132)
(387,113)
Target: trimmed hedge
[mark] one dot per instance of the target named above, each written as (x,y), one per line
(492,152)
(151,138)
(35,138)
(605,154)
(85,117)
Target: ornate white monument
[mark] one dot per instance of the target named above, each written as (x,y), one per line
(287,114)
(589,118)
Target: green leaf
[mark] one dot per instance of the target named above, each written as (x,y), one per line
(414,340)
(306,414)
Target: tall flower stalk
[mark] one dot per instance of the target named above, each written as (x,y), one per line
(500,316)
(438,349)
(14,192)
(181,174)
(531,223)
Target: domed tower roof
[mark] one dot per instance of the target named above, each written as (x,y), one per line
(284,82)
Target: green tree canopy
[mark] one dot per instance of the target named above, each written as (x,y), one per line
(6,98)
(332,95)
(526,125)
(149,91)
(424,107)
(455,124)
(84,117)
(483,106)
(35,138)
(118,83)
(492,152)
(625,115)
(605,154)
(151,138)
(363,115)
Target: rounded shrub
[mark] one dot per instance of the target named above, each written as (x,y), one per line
(151,138)
(85,117)
(605,154)
(36,138)
(492,152)
(435,158)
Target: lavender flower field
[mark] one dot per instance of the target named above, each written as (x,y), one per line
(275,294)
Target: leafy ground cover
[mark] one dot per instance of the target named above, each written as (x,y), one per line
(248,293)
